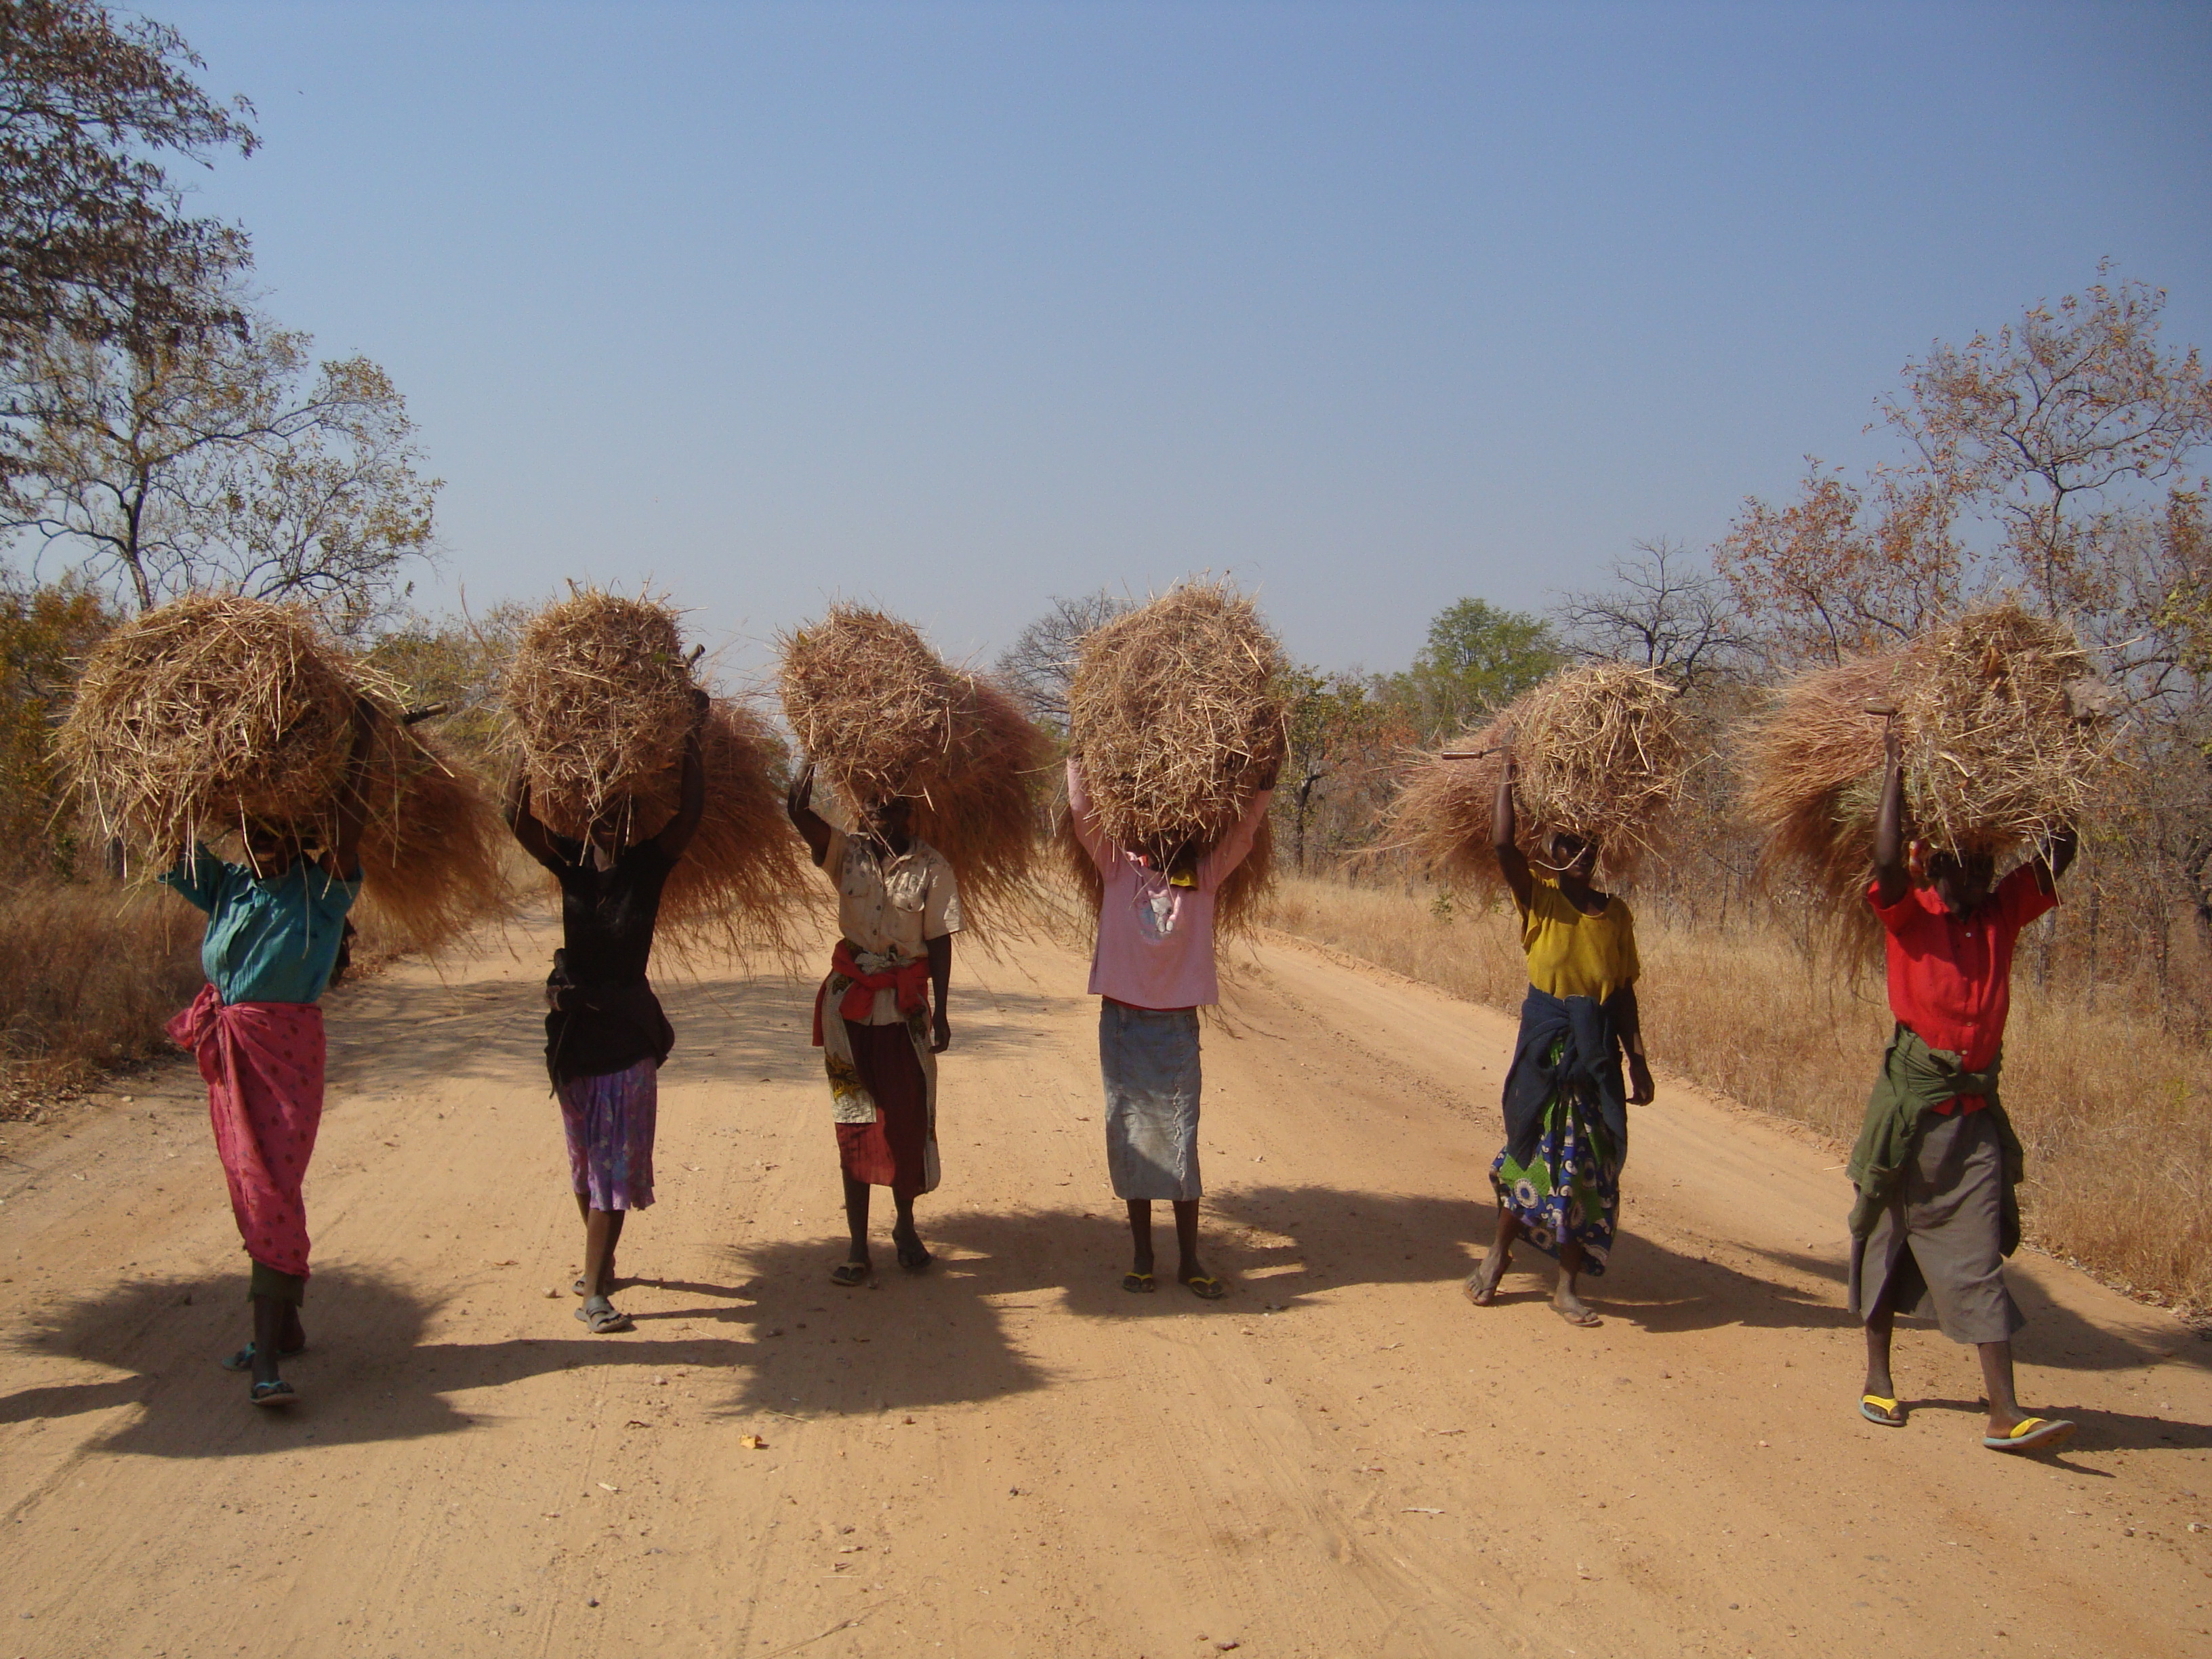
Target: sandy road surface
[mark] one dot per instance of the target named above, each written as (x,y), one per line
(1012,1456)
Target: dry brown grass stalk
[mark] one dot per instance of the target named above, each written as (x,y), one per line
(880,714)
(1175,711)
(597,701)
(433,850)
(1603,754)
(2004,741)
(744,877)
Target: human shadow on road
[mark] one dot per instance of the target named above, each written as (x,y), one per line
(170,1333)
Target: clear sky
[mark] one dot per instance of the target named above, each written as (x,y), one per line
(956,307)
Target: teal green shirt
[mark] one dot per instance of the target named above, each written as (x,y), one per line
(267,941)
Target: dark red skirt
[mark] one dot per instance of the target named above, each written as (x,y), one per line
(892,1151)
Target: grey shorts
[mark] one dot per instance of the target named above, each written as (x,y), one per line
(1149,1058)
(1936,1247)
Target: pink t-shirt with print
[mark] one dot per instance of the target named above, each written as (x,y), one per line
(1156,940)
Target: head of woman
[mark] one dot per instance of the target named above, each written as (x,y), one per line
(1961,880)
(1572,855)
(273,849)
(891,820)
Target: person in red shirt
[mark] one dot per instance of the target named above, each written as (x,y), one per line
(1936,1162)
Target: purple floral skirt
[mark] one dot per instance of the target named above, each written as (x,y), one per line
(609,1121)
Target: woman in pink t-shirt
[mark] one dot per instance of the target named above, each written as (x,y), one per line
(1152,971)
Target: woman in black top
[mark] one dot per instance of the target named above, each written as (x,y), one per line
(605,1035)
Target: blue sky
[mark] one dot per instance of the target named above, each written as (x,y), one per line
(956,307)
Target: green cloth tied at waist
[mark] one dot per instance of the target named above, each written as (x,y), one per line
(1916,1080)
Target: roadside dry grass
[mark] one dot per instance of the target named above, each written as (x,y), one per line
(89,975)
(2115,1115)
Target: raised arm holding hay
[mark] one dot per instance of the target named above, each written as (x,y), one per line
(880,1016)
(1936,1165)
(1558,1177)
(273,928)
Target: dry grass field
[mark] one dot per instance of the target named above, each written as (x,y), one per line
(2116,1114)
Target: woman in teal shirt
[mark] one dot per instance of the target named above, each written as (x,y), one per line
(274,928)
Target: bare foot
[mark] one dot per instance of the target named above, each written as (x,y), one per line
(1572,1309)
(1482,1284)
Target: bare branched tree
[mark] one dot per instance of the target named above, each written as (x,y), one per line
(224,460)
(1040,665)
(1666,610)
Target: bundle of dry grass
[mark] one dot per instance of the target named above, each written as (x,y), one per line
(880,714)
(433,850)
(2002,718)
(1175,712)
(735,887)
(210,712)
(1602,754)
(216,711)
(597,699)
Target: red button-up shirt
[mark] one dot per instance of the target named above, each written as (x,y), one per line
(1950,978)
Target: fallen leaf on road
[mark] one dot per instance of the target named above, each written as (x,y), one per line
(604,1487)
(509,1262)
(752,1442)
(637,1423)
(1420,1511)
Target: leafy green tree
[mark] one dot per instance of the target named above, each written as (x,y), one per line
(94,240)
(1478,657)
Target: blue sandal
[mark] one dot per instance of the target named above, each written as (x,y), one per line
(243,1359)
(279,1393)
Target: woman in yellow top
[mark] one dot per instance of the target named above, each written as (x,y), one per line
(1558,1177)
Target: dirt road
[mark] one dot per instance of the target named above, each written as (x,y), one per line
(1012,1456)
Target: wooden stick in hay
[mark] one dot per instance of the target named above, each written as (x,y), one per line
(597,699)
(881,715)
(1175,712)
(1602,754)
(2004,733)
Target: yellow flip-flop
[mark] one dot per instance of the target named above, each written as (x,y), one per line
(1876,1409)
(2031,1434)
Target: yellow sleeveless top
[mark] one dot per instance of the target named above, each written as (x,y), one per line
(1573,955)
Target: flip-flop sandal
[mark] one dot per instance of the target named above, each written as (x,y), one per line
(1139,1283)
(1473,1286)
(2031,1434)
(1586,1320)
(914,1257)
(1876,1409)
(603,1318)
(279,1393)
(243,1359)
(1206,1287)
(849,1275)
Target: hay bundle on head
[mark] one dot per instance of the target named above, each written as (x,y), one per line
(216,711)
(1175,712)
(1602,753)
(597,699)
(2003,734)
(205,715)
(881,715)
